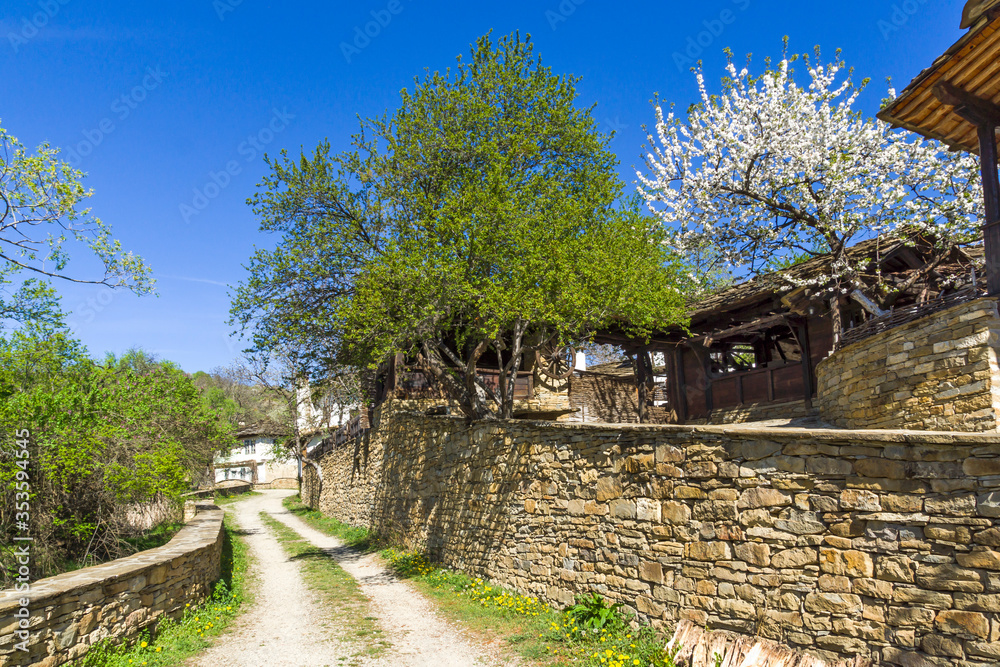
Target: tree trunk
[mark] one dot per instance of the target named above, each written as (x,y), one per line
(478,410)
(469,402)
(508,373)
(838,325)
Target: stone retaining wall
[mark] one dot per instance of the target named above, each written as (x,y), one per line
(881,544)
(70,612)
(938,373)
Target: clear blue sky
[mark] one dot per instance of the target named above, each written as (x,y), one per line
(155,101)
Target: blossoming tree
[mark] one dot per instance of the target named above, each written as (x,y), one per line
(769,171)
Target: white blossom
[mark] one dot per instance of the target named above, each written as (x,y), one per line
(769,170)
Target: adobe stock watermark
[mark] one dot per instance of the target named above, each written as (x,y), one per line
(562,13)
(615,125)
(31,26)
(696,44)
(87,310)
(248,149)
(122,108)
(363,35)
(21,550)
(223,7)
(900,16)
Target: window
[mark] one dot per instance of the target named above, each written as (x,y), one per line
(249,447)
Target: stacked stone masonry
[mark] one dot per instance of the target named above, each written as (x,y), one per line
(938,373)
(70,612)
(881,544)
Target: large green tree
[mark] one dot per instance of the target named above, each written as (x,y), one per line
(483,216)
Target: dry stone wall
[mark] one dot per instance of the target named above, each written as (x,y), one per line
(879,544)
(70,612)
(938,373)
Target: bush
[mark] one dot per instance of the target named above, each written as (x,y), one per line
(105,438)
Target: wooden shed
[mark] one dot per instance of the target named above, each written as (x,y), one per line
(751,350)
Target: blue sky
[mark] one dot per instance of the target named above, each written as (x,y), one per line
(169,107)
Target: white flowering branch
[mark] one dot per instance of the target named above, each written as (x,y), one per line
(770,170)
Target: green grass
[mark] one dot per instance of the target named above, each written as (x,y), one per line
(176,640)
(362,539)
(528,627)
(229,500)
(337,589)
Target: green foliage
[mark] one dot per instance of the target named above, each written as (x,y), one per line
(40,212)
(484,215)
(406,564)
(106,438)
(592,612)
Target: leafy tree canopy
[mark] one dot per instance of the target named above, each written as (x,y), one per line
(482,216)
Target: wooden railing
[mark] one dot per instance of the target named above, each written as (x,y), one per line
(901,316)
(774,383)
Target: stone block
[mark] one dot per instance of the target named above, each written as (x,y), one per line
(623,509)
(847,563)
(949,578)
(794,558)
(964,623)
(763,497)
(675,513)
(833,603)
(754,553)
(860,500)
(708,551)
(608,488)
(651,571)
(647,509)
(985,559)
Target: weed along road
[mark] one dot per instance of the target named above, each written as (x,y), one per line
(318,602)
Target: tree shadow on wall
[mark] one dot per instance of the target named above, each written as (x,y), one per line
(450,493)
(615,401)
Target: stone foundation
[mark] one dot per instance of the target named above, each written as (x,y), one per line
(878,545)
(70,612)
(755,412)
(938,373)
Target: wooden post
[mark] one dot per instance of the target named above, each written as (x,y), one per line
(681,385)
(802,332)
(641,377)
(985,115)
(991,195)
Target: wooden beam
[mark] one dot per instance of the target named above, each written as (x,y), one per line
(748,327)
(991,197)
(973,109)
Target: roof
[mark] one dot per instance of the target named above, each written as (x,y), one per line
(972,65)
(263,429)
(762,295)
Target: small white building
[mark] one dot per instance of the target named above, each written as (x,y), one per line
(258,459)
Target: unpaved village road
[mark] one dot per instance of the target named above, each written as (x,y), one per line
(287,627)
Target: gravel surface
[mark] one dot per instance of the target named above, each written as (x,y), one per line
(287,627)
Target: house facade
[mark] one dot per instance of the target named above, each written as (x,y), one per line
(258,459)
